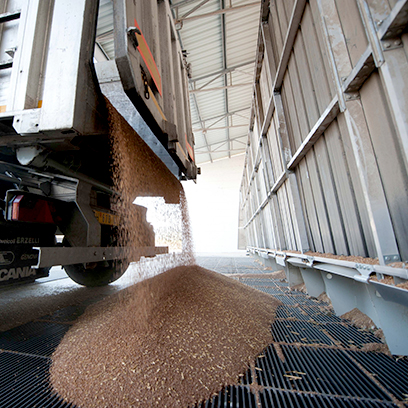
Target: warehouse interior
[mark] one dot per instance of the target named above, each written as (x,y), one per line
(285,125)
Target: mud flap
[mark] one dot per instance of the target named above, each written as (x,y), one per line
(16,250)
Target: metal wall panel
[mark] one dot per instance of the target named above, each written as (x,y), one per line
(355,187)
(275,148)
(388,154)
(348,210)
(329,172)
(286,217)
(336,225)
(314,53)
(288,7)
(353,29)
(304,71)
(319,202)
(299,119)
(260,182)
(277,36)
(265,86)
(269,173)
(325,58)
(290,113)
(308,224)
(310,208)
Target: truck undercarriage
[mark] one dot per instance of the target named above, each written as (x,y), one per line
(56,161)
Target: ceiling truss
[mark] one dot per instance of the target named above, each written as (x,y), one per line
(222,11)
(182,13)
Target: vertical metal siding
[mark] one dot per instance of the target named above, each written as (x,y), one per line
(276,32)
(348,211)
(341,132)
(308,224)
(353,29)
(299,106)
(355,186)
(331,198)
(304,70)
(388,154)
(320,204)
(323,49)
(285,216)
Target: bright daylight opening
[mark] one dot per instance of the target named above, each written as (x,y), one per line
(166,220)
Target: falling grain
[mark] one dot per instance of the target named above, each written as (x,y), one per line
(170,340)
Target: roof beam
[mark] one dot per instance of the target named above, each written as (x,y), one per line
(218,121)
(227,114)
(184,16)
(106,36)
(224,59)
(218,88)
(222,71)
(207,129)
(223,142)
(242,150)
(182,3)
(215,13)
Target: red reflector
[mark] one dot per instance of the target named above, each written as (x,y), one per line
(16,207)
(32,209)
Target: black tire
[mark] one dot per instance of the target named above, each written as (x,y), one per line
(97,273)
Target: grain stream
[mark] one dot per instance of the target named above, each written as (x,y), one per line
(173,339)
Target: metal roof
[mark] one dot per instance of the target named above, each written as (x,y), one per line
(220,38)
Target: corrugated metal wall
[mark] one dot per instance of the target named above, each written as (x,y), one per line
(327,156)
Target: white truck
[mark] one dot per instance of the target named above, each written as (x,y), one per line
(55,156)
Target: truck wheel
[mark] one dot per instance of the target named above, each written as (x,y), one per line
(97,273)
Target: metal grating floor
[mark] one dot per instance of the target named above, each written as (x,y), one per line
(314,361)
(24,382)
(326,371)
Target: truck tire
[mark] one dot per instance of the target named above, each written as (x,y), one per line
(97,273)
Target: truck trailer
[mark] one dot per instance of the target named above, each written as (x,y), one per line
(55,148)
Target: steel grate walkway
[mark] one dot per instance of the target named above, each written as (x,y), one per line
(316,359)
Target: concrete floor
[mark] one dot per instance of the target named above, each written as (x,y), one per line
(23,303)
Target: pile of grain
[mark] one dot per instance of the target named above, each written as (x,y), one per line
(348,258)
(171,340)
(168,341)
(359,319)
(389,280)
